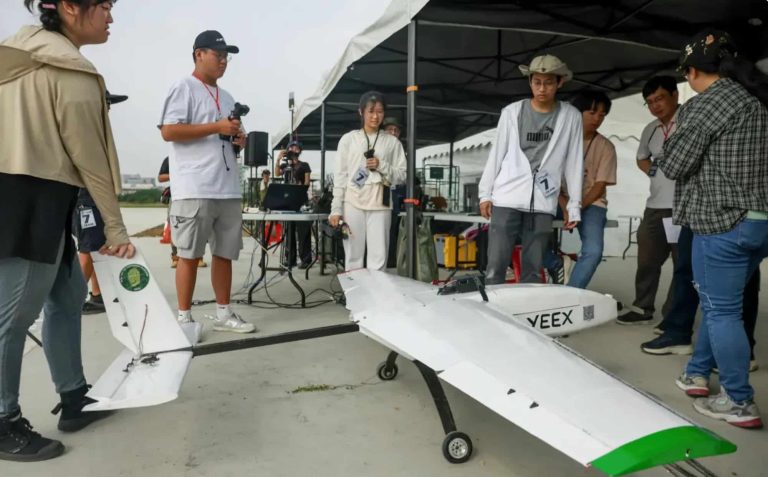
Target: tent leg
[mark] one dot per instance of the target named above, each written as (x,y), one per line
(411,119)
(321,237)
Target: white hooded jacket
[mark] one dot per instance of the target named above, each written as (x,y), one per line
(508,181)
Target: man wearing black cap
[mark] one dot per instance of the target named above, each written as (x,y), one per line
(88,227)
(205,206)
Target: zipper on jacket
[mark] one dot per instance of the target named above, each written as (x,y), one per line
(533,191)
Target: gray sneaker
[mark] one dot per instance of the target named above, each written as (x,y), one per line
(233,323)
(696,386)
(722,407)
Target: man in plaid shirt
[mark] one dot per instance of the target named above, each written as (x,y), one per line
(719,157)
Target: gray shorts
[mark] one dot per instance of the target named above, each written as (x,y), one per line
(196,222)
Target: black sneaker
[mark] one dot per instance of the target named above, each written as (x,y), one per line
(71,406)
(634,318)
(666,345)
(94,305)
(557,275)
(19,443)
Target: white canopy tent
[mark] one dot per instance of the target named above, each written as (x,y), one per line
(448,67)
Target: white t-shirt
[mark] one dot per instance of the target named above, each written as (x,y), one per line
(204,168)
(652,147)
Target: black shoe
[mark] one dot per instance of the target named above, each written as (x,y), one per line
(19,443)
(96,299)
(71,406)
(634,318)
(92,308)
(666,345)
(557,275)
(305,265)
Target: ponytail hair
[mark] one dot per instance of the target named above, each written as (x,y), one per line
(49,10)
(49,17)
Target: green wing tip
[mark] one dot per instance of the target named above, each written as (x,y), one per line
(663,447)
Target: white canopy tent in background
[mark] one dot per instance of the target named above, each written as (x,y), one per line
(456,64)
(623,127)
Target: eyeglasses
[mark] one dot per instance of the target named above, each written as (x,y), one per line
(658,100)
(222,55)
(546,84)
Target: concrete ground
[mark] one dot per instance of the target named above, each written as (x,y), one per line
(254,412)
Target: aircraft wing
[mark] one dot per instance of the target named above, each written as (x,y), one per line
(158,352)
(525,376)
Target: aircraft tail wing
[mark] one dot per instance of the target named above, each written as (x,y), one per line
(151,368)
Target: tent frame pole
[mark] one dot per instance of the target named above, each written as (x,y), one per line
(320,234)
(411,170)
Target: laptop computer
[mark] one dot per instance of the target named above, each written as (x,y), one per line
(285,197)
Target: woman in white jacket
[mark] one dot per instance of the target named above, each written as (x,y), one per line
(368,162)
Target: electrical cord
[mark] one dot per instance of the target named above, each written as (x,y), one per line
(334,296)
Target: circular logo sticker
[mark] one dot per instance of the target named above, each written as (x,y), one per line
(134,277)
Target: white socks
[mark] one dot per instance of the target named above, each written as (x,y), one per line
(185,316)
(223,312)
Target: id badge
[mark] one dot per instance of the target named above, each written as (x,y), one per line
(546,184)
(87,219)
(654,166)
(360,177)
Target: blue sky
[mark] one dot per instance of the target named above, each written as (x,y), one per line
(285,45)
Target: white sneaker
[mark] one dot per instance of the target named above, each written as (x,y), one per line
(184,320)
(193,331)
(233,323)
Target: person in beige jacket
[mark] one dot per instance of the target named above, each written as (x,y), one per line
(56,138)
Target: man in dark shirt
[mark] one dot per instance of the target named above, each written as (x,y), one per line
(295,171)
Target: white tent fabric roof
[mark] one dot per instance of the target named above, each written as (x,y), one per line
(397,16)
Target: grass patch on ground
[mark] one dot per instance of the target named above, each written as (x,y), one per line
(313,388)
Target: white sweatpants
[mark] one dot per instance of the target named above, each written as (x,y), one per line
(367,228)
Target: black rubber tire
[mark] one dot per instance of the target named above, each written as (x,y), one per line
(386,373)
(457,447)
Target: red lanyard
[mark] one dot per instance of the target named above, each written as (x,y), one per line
(214,98)
(668,130)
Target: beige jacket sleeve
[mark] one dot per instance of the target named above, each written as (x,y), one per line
(87,136)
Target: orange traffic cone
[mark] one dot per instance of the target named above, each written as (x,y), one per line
(166,233)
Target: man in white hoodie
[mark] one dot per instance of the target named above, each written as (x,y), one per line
(538,142)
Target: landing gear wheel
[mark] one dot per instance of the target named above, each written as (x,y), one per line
(457,447)
(386,373)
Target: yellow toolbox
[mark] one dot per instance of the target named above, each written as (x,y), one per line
(467,253)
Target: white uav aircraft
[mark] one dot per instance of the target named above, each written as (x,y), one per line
(470,336)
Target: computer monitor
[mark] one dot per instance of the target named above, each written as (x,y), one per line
(285,197)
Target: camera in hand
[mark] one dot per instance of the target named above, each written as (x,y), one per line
(237,113)
(369,153)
